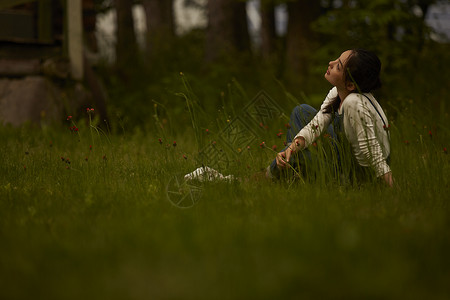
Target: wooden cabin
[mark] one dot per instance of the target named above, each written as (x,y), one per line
(43,43)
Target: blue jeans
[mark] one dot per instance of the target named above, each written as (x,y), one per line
(301,115)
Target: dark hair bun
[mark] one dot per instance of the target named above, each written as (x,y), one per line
(364,67)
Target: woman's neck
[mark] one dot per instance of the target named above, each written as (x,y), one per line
(343,93)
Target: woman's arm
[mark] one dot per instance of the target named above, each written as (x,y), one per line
(308,134)
(363,133)
(320,121)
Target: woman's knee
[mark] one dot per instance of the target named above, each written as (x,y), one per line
(302,111)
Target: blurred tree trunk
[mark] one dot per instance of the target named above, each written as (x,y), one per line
(126,46)
(268,34)
(227,28)
(419,28)
(300,39)
(160,25)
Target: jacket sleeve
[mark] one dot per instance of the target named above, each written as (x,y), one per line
(320,121)
(364,141)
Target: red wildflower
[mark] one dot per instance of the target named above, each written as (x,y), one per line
(274,147)
(248,147)
(89,110)
(160,141)
(213,143)
(314,144)
(62,158)
(262,145)
(406,142)
(207,131)
(287,125)
(69,118)
(174,143)
(445,150)
(90,147)
(430,134)
(184,156)
(279,134)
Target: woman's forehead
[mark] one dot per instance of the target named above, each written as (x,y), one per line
(344,56)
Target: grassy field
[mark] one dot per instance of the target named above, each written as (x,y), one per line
(86,215)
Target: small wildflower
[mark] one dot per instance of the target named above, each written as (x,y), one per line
(406,142)
(62,158)
(104,157)
(386,127)
(261,125)
(279,134)
(445,150)
(184,156)
(262,145)
(239,150)
(24,167)
(213,143)
(207,131)
(90,147)
(69,118)
(248,147)
(430,134)
(160,141)
(174,143)
(314,144)
(274,147)
(89,110)
(287,125)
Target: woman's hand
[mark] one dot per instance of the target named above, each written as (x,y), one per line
(387,178)
(284,157)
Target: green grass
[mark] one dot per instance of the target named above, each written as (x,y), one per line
(103,228)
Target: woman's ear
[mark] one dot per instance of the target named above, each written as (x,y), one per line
(350,86)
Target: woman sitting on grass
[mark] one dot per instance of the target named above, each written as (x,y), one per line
(350,114)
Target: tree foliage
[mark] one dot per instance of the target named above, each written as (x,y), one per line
(317,32)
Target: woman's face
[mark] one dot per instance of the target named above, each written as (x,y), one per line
(335,72)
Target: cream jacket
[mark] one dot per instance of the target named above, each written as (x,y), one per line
(363,127)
